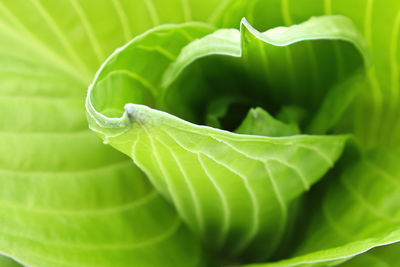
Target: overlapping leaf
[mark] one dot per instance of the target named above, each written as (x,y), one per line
(67,200)
(375,112)
(253,179)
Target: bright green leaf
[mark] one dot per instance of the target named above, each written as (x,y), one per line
(374,118)
(259,122)
(68,200)
(263,60)
(254,179)
(65,198)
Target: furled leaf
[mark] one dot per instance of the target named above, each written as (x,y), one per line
(262,59)
(374,116)
(68,200)
(254,179)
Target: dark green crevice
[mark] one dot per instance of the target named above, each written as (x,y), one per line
(235,115)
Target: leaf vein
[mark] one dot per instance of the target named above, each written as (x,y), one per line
(146,84)
(149,242)
(123,20)
(365,203)
(159,50)
(152,12)
(195,198)
(224,201)
(88,212)
(89,30)
(64,41)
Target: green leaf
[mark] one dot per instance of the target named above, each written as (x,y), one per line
(68,200)
(259,122)
(8,262)
(254,179)
(336,103)
(65,198)
(356,213)
(292,115)
(378,257)
(375,113)
(263,62)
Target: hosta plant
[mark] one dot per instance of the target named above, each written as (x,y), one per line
(199,133)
